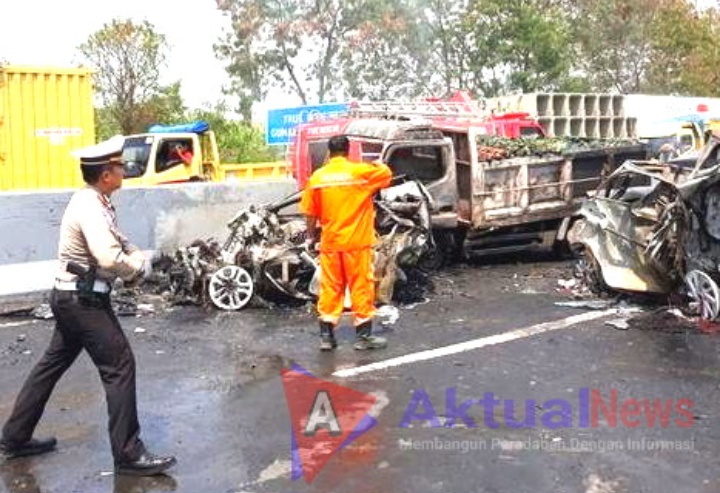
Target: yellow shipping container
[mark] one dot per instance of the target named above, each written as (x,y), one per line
(45,113)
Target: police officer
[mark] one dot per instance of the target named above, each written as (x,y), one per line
(92,254)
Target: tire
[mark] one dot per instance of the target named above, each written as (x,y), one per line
(588,271)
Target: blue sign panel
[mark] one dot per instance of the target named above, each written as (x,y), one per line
(281,123)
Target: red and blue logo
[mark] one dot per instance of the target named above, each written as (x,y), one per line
(325,418)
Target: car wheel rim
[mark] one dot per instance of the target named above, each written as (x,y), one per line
(231,288)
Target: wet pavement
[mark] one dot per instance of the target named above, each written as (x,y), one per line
(210,392)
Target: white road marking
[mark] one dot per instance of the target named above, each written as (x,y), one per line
(16,324)
(476,343)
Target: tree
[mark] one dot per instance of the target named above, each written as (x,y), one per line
(386,55)
(237,141)
(306,47)
(453,46)
(269,47)
(686,52)
(516,45)
(616,43)
(129,57)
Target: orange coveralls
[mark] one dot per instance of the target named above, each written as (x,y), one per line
(340,195)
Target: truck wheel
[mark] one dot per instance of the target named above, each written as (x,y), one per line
(587,271)
(450,246)
(562,251)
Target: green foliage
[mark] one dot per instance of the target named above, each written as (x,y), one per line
(519,45)
(128,57)
(406,48)
(384,57)
(615,40)
(686,47)
(547,146)
(238,142)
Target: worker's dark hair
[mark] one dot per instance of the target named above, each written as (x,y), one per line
(91,172)
(338,145)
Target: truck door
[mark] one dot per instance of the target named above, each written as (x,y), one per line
(433,164)
(688,138)
(178,158)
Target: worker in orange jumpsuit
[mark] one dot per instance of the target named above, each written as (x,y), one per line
(339,196)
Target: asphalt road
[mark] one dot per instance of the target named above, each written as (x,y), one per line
(211,392)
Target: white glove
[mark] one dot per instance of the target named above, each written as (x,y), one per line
(142,265)
(136,259)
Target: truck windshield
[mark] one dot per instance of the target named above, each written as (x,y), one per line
(423,163)
(136,153)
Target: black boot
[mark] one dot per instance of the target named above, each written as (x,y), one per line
(31,447)
(364,339)
(327,336)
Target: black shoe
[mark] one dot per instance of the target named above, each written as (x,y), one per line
(146,465)
(364,340)
(327,337)
(31,447)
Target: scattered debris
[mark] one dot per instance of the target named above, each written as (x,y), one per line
(264,254)
(567,284)
(42,312)
(618,323)
(145,309)
(387,315)
(140,330)
(589,304)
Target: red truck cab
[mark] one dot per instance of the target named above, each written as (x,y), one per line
(454,118)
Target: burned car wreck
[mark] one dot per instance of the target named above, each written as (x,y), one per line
(655,228)
(264,255)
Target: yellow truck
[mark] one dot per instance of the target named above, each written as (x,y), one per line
(153,158)
(684,133)
(45,113)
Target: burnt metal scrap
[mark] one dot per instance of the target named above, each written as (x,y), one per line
(263,255)
(655,228)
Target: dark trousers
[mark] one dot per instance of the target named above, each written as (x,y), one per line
(89,324)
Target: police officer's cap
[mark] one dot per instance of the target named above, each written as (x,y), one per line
(106,152)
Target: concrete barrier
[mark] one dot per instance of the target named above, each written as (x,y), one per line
(155,219)
(592,106)
(606,128)
(605,105)
(575,105)
(577,126)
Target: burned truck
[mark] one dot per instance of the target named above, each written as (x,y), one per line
(491,195)
(655,228)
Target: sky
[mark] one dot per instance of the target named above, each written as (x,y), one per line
(48,32)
